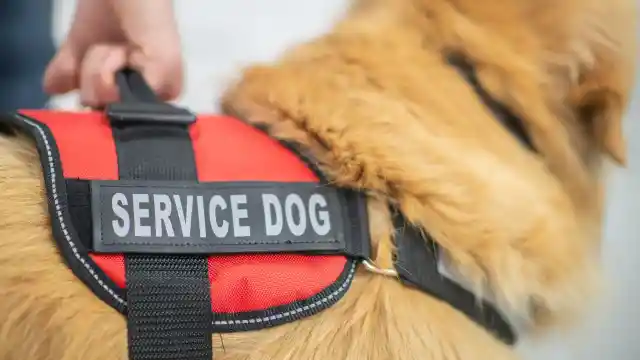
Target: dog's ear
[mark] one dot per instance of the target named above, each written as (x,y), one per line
(602,95)
(601,111)
(607,49)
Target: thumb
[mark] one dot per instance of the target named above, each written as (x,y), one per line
(151,31)
(94,22)
(163,73)
(61,75)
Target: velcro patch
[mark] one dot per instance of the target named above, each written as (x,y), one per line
(217,217)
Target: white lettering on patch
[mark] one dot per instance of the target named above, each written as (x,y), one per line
(184,215)
(117,201)
(162,209)
(320,220)
(238,213)
(219,215)
(140,213)
(201,224)
(219,229)
(294,201)
(272,214)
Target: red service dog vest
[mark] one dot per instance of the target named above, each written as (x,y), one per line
(216,196)
(249,189)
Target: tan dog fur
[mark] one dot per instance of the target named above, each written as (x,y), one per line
(376,104)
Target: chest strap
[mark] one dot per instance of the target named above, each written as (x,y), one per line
(417,266)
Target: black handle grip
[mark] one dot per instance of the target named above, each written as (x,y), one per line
(133,87)
(139,104)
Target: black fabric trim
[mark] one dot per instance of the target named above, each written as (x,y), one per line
(357,233)
(75,255)
(63,229)
(154,152)
(79,202)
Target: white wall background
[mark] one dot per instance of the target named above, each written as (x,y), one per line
(220,36)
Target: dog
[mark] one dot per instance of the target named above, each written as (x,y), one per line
(380,108)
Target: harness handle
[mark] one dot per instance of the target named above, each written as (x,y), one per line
(139,104)
(134,88)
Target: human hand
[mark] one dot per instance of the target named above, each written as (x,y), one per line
(108,35)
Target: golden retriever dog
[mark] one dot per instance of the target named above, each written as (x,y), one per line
(379,107)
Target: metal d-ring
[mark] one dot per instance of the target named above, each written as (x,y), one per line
(372,267)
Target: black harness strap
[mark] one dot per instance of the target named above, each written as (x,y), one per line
(169,302)
(417,254)
(417,266)
(502,113)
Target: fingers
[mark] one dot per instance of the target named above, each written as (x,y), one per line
(61,75)
(163,73)
(108,35)
(94,22)
(101,62)
(94,76)
(97,75)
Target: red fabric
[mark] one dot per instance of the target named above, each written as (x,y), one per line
(225,150)
(87,150)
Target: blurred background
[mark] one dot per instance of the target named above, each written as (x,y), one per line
(26,47)
(219,37)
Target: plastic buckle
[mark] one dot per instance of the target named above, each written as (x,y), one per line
(148,113)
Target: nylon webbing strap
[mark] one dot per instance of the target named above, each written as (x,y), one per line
(417,266)
(169,307)
(169,301)
(507,118)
